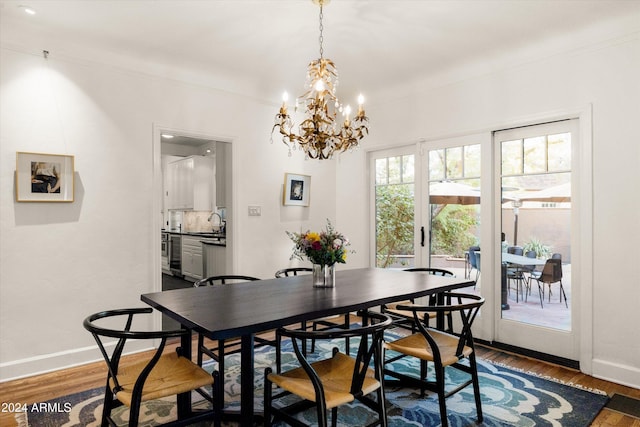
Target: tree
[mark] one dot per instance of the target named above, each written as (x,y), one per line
(451,230)
(394,222)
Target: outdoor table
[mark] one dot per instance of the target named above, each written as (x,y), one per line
(519,261)
(244,309)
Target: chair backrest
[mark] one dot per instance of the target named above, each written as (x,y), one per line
(472,256)
(434,271)
(556,256)
(530,254)
(515,250)
(225,279)
(292,271)
(123,334)
(466,306)
(552,271)
(369,349)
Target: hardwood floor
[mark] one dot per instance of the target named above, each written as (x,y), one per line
(43,387)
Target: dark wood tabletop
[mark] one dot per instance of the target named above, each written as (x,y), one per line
(244,309)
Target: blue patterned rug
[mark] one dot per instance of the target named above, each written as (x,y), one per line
(509,398)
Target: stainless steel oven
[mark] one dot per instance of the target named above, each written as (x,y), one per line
(165,245)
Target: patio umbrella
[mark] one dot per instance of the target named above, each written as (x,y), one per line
(452,193)
(448,193)
(558,194)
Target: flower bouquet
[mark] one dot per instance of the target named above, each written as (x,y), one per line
(323,249)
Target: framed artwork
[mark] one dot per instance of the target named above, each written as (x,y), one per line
(297,189)
(44,177)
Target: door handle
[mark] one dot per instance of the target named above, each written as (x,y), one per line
(422,236)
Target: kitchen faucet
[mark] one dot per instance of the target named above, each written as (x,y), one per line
(222,222)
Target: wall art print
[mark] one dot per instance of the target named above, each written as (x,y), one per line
(44,177)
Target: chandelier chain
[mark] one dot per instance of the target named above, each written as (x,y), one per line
(321,39)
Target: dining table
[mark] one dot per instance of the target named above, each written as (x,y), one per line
(245,309)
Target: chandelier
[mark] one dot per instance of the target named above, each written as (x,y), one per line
(321,134)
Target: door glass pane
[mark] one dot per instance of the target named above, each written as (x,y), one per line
(395,171)
(560,152)
(454,163)
(382,171)
(395,209)
(436,165)
(536,227)
(535,155)
(512,157)
(454,207)
(472,160)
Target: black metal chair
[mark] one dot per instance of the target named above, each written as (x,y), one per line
(551,273)
(220,351)
(404,318)
(329,383)
(516,273)
(159,375)
(444,350)
(317,324)
(527,272)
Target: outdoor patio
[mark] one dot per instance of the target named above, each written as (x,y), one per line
(554,314)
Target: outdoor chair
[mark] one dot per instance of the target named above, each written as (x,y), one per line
(317,324)
(404,318)
(516,274)
(157,376)
(551,273)
(528,270)
(473,262)
(329,383)
(444,350)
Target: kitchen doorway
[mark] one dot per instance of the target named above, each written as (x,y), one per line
(190,217)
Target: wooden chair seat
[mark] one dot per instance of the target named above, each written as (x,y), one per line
(172,375)
(392,309)
(332,382)
(416,345)
(336,375)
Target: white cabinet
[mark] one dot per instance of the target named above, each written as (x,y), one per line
(191,184)
(192,261)
(215,260)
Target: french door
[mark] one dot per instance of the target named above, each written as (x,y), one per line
(434,200)
(534,168)
(394,185)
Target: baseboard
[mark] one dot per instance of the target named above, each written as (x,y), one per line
(617,373)
(44,364)
(573,364)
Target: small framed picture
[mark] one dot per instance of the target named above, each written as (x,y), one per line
(297,190)
(44,177)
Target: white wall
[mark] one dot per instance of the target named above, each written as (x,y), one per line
(61,262)
(604,75)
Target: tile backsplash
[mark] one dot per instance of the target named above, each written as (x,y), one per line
(196,221)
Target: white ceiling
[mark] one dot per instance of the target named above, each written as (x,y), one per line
(262,47)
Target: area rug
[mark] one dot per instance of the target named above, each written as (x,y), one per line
(509,398)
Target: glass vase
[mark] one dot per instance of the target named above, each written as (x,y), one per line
(324,276)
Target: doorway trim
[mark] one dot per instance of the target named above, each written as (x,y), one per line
(156,217)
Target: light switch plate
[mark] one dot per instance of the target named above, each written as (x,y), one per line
(255,210)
